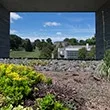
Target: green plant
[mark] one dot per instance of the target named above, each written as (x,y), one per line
(49,103)
(91,54)
(19,107)
(104,67)
(82,53)
(8,107)
(37,62)
(16,82)
(22,108)
(107,58)
(49,81)
(2,100)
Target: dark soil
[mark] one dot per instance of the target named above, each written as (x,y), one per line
(86,90)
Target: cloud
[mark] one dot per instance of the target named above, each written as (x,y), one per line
(59,33)
(51,24)
(14,16)
(13,31)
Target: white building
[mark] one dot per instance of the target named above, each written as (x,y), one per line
(71,52)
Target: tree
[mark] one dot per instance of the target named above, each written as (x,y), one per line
(82,53)
(91,41)
(45,53)
(82,42)
(73,41)
(38,44)
(49,41)
(92,53)
(66,40)
(28,46)
(44,44)
(15,42)
(55,52)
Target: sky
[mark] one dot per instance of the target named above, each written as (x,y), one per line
(56,25)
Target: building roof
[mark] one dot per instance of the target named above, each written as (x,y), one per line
(75,48)
(52,5)
(79,46)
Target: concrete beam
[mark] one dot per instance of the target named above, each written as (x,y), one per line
(53,5)
(4,32)
(102,30)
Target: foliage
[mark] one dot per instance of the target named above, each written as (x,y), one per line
(103,68)
(2,100)
(16,81)
(19,107)
(107,58)
(82,42)
(28,46)
(22,108)
(49,41)
(37,62)
(15,42)
(74,41)
(82,53)
(92,53)
(91,41)
(46,53)
(46,47)
(71,41)
(49,103)
(38,44)
(55,52)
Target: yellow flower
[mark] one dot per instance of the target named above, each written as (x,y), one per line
(13,75)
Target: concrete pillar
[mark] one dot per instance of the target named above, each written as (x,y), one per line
(102,30)
(4,32)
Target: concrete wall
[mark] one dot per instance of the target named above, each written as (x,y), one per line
(4,32)
(102,30)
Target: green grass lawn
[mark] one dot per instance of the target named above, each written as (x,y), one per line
(24,54)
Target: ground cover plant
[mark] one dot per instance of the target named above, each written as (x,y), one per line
(17,83)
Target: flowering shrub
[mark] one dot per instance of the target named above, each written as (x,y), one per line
(16,81)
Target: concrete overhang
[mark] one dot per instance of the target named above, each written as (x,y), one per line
(53,5)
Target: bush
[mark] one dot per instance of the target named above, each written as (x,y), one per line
(49,103)
(28,46)
(2,100)
(16,82)
(82,53)
(107,58)
(19,107)
(104,68)
(92,53)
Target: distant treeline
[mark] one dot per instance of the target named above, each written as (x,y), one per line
(74,41)
(46,47)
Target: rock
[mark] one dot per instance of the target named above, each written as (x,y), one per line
(60,65)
